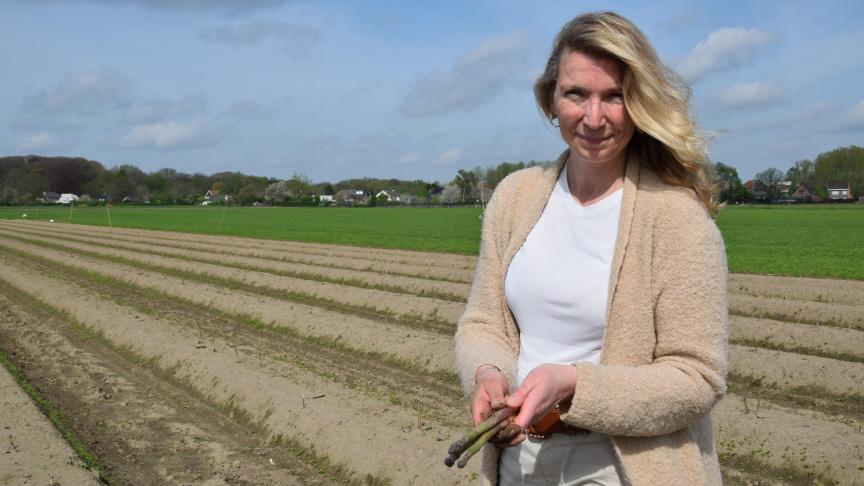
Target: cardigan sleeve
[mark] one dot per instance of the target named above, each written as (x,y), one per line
(481,333)
(688,373)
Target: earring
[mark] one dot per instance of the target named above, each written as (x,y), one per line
(553,120)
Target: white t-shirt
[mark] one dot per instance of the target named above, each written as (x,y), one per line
(558,281)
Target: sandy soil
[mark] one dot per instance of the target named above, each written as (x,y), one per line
(446,260)
(33,452)
(270,391)
(789,370)
(143,429)
(781,436)
(411,285)
(849,292)
(793,310)
(404,269)
(792,334)
(406,306)
(428,349)
(271,376)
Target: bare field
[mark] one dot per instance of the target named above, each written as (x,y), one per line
(192,359)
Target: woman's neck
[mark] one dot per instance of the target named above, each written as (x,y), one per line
(589,183)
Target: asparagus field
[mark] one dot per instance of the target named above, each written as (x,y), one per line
(174,358)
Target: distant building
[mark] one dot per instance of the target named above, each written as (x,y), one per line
(351,197)
(839,191)
(391,195)
(757,189)
(805,194)
(50,197)
(67,198)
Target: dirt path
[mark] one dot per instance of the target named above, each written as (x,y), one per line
(32,452)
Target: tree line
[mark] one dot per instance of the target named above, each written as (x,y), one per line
(843,164)
(24,180)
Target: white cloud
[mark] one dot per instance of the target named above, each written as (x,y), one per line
(41,141)
(856,115)
(475,78)
(450,156)
(172,135)
(725,49)
(755,94)
(88,92)
(294,37)
(150,111)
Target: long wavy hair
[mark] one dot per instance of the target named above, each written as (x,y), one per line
(657,100)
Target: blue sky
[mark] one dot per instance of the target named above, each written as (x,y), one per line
(339,89)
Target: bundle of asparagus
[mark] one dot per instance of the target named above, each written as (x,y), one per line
(471,443)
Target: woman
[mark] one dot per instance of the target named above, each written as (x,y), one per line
(598,307)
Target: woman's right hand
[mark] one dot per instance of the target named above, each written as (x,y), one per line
(490,393)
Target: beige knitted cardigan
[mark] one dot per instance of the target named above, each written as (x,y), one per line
(665,347)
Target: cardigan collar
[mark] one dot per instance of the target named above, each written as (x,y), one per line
(537,203)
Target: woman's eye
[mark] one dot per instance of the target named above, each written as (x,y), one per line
(616,98)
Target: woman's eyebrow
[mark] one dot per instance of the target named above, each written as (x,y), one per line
(583,90)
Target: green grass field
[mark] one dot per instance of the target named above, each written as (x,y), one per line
(810,240)
(452,230)
(819,241)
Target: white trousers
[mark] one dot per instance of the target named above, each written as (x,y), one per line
(560,460)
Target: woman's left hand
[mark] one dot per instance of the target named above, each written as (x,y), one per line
(544,387)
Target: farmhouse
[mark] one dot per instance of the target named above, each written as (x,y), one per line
(50,196)
(388,195)
(67,198)
(352,196)
(839,191)
(804,193)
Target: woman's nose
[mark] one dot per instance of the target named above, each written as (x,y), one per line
(594,117)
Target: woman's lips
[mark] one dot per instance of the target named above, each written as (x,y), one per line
(592,140)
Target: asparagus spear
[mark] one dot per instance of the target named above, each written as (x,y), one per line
(478,435)
(481,441)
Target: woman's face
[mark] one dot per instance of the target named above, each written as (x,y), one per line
(589,103)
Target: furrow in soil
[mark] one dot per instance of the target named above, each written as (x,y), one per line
(384,267)
(142,429)
(829,342)
(310,271)
(276,394)
(425,350)
(441,314)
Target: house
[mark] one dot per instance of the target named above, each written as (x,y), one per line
(326,198)
(783,188)
(757,189)
(486,192)
(390,195)
(67,198)
(50,196)
(805,194)
(212,197)
(351,197)
(839,191)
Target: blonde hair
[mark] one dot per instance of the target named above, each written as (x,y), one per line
(657,100)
